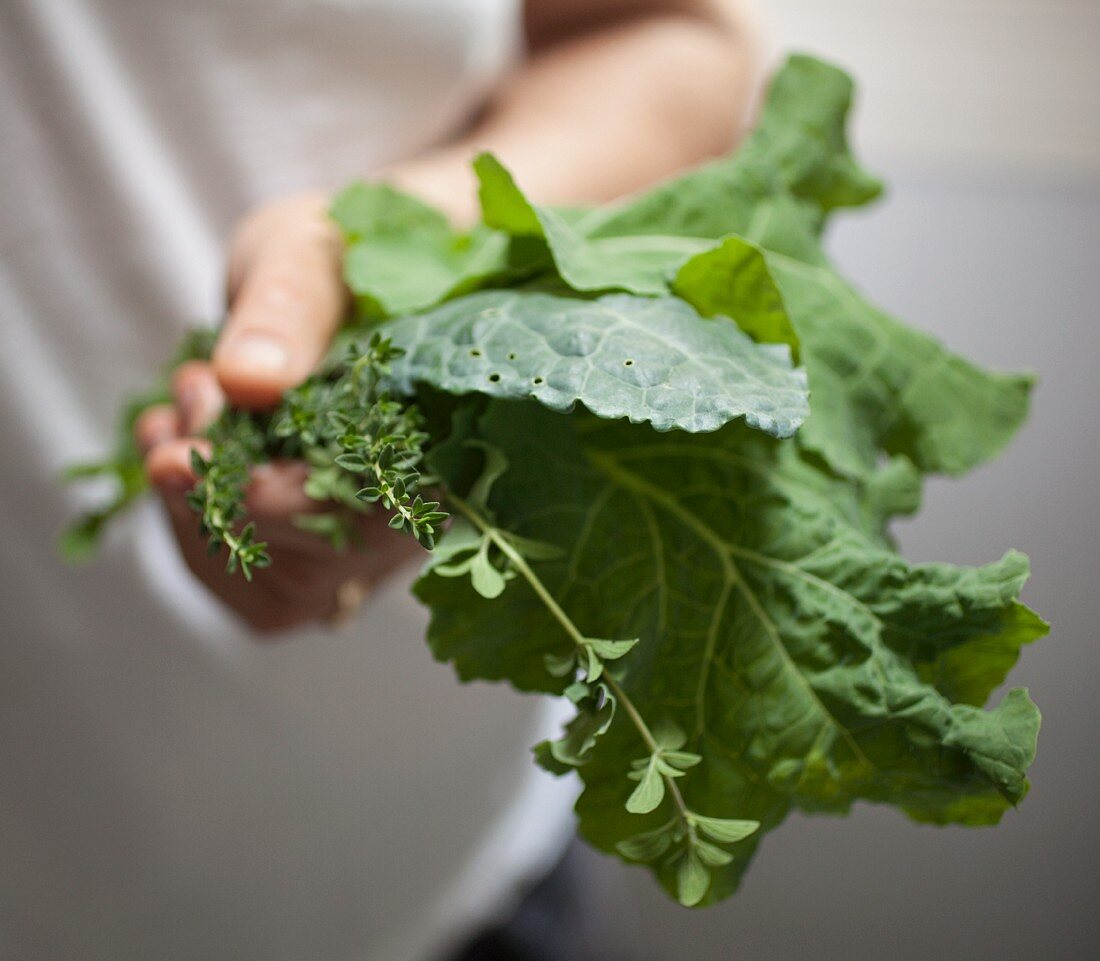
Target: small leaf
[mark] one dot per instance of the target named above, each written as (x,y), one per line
(594,717)
(692,880)
(560,665)
(610,650)
(544,757)
(681,759)
(486,579)
(577,692)
(711,855)
(457,569)
(664,768)
(646,847)
(725,830)
(649,793)
(593,666)
(460,538)
(352,462)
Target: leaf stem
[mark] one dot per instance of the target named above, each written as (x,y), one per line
(555,609)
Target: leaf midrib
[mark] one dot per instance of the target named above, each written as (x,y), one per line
(732,573)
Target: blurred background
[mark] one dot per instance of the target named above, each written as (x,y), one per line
(984,118)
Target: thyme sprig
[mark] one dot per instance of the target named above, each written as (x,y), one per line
(347,417)
(237,442)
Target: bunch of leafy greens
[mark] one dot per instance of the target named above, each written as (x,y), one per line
(671,438)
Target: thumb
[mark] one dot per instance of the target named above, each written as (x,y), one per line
(289,303)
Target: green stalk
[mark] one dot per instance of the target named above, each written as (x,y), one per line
(555,609)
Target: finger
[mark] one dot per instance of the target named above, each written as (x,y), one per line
(168,465)
(156,425)
(262,607)
(276,490)
(198,395)
(289,305)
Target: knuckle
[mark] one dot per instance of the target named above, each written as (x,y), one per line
(155,425)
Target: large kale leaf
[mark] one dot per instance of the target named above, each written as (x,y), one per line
(651,359)
(803,660)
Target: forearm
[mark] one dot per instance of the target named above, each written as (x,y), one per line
(600,115)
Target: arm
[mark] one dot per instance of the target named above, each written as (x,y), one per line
(615,94)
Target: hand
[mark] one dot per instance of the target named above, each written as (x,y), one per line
(286,300)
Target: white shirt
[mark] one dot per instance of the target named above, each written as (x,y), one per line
(169,789)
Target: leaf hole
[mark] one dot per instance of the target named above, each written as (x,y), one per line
(538,381)
(494,378)
(474,352)
(512,355)
(628,363)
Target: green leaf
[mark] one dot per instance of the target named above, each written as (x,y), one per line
(806,663)
(733,280)
(692,880)
(802,134)
(639,265)
(561,665)
(402,255)
(644,359)
(681,759)
(793,169)
(461,538)
(594,717)
(486,579)
(650,792)
(647,846)
(712,855)
(879,386)
(610,650)
(725,830)
(593,666)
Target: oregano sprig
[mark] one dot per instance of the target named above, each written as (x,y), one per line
(597,694)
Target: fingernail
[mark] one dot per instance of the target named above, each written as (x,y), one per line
(261,353)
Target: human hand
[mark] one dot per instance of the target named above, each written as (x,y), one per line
(286,300)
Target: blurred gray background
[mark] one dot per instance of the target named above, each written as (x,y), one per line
(984,116)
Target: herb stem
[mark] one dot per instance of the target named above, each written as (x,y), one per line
(555,609)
